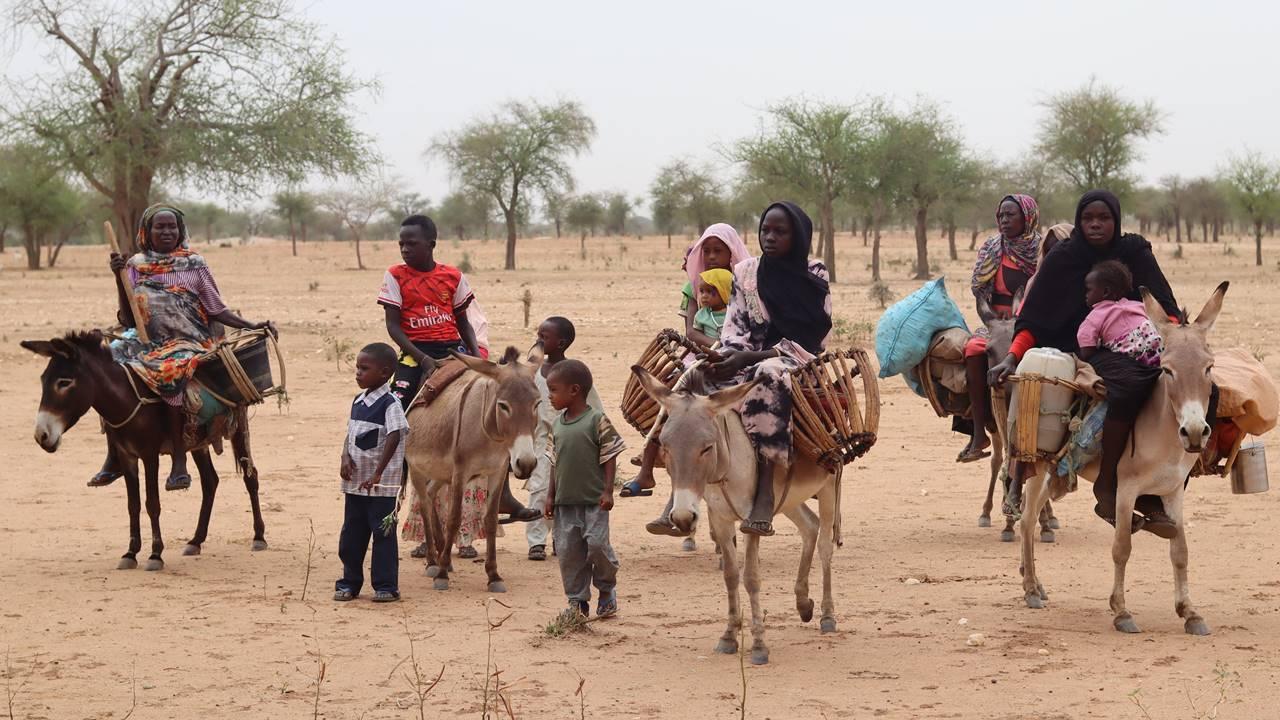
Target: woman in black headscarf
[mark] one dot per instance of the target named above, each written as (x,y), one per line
(778,320)
(1053,312)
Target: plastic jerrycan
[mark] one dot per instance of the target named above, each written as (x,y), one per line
(1055,400)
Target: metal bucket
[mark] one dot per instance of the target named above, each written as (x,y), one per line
(1249,473)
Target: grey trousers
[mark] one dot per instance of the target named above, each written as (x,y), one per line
(586,557)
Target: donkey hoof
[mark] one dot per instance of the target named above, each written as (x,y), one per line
(440,584)
(1125,624)
(828,625)
(727,646)
(127,563)
(1034,601)
(984,521)
(497,586)
(805,608)
(191,549)
(154,564)
(1006,536)
(689,545)
(433,570)
(259,545)
(1054,524)
(760,656)
(1047,536)
(1196,626)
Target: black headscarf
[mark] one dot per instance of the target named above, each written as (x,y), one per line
(794,297)
(1056,306)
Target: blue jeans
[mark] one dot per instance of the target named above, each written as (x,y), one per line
(363,519)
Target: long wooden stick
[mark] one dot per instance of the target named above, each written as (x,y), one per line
(138,323)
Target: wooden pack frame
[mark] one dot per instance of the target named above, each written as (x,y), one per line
(223,361)
(830,426)
(1027,422)
(664,359)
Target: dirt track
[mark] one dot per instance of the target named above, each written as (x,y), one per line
(227,634)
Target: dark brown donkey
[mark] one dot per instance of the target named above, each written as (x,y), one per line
(81,375)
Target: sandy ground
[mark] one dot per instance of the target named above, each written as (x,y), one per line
(228,634)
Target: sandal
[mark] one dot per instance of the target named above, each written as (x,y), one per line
(467,552)
(759,528)
(343,596)
(632,489)
(969,455)
(1139,522)
(527,514)
(385,596)
(180,481)
(663,526)
(538,553)
(419,552)
(607,608)
(104,478)
(1160,525)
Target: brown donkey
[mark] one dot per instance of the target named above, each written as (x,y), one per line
(477,427)
(81,375)
(1168,437)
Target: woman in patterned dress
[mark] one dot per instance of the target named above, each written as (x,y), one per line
(778,319)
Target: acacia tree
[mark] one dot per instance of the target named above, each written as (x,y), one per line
(683,195)
(356,206)
(222,94)
(463,209)
(816,149)
(585,213)
(1175,189)
(554,204)
(523,148)
(1092,134)
(926,160)
(294,206)
(35,198)
(617,209)
(1255,183)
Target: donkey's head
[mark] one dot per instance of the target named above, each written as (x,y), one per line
(1187,365)
(515,408)
(999,328)
(694,446)
(67,384)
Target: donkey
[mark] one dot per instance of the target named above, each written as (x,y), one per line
(81,374)
(1169,435)
(1000,338)
(477,427)
(705,444)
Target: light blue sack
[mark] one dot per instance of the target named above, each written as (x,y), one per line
(906,329)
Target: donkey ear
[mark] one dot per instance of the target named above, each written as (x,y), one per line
(654,389)
(65,349)
(1209,315)
(536,356)
(40,347)
(730,398)
(480,365)
(985,313)
(1155,313)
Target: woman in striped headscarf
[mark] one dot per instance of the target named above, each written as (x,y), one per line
(1005,263)
(178,301)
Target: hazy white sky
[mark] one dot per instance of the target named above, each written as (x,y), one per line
(665,79)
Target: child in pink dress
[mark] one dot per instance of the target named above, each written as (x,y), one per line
(1117,323)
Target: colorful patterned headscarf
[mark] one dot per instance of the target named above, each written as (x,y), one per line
(721,280)
(1024,251)
(150,262)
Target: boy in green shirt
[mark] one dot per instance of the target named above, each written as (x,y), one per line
(583,449)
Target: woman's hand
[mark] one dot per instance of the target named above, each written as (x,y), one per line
(268,326)
(726,362)
(1003,369)
(117,262)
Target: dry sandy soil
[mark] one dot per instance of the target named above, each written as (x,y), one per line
(228,634)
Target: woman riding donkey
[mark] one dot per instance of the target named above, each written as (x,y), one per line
(1005,264)
(1052,314)
(778,319)
(179,301)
